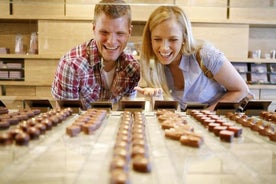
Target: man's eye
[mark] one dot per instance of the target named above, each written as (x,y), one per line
(104,32)
(121,34)
(157,39)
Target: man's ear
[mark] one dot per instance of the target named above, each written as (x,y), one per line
(130,29)
(93,26)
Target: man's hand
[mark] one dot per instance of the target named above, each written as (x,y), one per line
(149,91)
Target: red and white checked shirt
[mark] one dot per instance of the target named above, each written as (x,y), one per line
(79,77)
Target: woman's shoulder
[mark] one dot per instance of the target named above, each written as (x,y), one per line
(210,52)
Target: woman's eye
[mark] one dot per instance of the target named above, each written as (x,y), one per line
(173,40)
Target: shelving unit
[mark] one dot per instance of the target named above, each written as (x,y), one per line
(235,27)
(12,69)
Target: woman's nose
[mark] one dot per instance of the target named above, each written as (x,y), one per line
(165,45)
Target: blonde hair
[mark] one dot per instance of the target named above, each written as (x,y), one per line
(113,9)
(152,70)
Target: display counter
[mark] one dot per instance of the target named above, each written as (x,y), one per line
(56,158)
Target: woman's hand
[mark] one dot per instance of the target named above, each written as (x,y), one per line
(149,91)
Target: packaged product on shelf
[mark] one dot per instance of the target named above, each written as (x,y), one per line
(33,44)
(19,44)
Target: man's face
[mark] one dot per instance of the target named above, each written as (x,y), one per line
(111,36)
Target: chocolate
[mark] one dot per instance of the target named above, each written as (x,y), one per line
(5,139)
(237,130)
(119,176)
(217,129)
(4,124)
(33,132)
(138,150)
(141,164)
(22,139)
(226,135)
(73,130)
(190,140)
(118,163)
(211,126)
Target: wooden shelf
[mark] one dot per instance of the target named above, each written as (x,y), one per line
(252,60)
(29,56)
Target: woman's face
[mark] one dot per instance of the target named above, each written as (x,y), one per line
(167,41)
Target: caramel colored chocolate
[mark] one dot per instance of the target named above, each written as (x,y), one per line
(119,176)
(141,164)
(73,130)
(237,130)
(226,135)
(5,139)
(190,140)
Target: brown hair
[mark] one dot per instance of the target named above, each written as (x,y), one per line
(113,9)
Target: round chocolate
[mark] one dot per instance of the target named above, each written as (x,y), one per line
(5,139)
(119,176)
(4,124)
(33,132)
(141,164)
(22,139)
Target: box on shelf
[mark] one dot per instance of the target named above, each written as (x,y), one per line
(272,78)
(240,67)
(14,65)
(259,78)
(272,67)
(15,75)
(260,68)
(4,74)
(4,50)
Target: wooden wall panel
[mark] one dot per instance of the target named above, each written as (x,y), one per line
(229,38)
(252,3)
(253,9)
(13,103)
(4,8)
(20,91)
(141,9)
(263,39)
(202,3)
(205,13)
(204,10)
(57,37)
(139,13)
(38,9)
(40,72)
(80,8)
(43,91)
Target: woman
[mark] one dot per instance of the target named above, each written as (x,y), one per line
(170,58)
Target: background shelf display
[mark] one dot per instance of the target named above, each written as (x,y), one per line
(240,27)
(12,69)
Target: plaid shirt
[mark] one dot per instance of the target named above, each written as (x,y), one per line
(79,76)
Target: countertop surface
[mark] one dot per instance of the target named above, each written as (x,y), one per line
(56,158)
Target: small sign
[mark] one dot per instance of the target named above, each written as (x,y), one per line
(131,105)
(224,107)
(44,105)
(102,105)
(165,104)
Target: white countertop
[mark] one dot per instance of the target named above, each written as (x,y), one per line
(56,158)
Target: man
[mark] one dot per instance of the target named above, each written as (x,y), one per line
(99,69)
